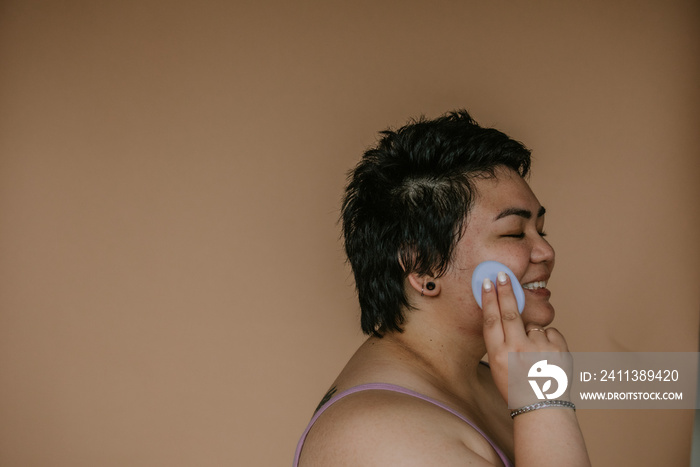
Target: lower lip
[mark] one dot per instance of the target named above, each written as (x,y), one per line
(544,293)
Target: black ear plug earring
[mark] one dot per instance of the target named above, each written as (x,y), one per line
(430,286)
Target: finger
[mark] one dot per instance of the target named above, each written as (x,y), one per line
(512,322)
(493,329)
(557,339)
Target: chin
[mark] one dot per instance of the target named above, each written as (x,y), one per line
(540,315)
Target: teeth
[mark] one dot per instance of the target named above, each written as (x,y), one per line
(535,285)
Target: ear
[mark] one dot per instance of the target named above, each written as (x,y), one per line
(419,284)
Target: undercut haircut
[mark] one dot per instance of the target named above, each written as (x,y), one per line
(406,204)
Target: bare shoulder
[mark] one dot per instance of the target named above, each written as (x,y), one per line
(373,428)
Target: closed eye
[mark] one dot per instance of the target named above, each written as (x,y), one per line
(522,235)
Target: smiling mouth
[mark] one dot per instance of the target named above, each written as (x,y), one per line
(535,285)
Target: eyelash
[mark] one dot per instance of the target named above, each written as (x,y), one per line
(522,235)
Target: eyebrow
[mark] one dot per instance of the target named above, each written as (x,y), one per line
(524,213)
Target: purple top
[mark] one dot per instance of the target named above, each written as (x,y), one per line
(402,390)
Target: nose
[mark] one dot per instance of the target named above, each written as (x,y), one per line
(542,252)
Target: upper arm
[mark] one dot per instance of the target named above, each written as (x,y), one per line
(378,428)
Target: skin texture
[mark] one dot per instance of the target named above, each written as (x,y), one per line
(445,336)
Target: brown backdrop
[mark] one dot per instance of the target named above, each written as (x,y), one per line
(172,286)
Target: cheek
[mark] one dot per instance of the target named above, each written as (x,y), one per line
(515,257)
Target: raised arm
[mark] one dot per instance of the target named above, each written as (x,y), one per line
(544,437)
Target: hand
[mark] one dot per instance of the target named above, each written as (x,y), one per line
(505,332)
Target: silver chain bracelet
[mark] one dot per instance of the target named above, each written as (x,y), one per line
(542,405)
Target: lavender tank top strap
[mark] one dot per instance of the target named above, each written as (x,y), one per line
(402,390)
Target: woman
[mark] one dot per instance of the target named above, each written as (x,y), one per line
(422,209)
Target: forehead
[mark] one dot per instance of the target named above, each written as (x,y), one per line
(506,190)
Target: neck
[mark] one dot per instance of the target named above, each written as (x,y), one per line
(447,356)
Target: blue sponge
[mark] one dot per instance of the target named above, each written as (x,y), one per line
(491,269)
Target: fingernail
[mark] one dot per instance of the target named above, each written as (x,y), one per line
(502,277)
(488,285)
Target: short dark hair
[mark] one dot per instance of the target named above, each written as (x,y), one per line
(406,203)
